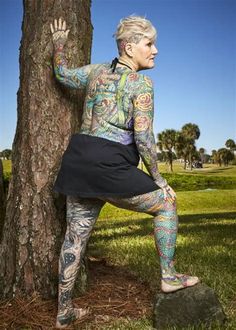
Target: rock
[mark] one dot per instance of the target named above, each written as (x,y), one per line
(187,307)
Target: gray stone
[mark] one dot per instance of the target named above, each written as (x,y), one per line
(191,306)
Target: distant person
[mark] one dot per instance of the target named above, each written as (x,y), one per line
(100,162)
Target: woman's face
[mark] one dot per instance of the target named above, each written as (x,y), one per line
(144,53)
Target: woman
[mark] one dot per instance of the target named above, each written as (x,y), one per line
(100,163)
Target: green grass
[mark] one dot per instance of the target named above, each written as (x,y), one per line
(208,169)
(211,176)
(199,182)
(125,324)
(206,244)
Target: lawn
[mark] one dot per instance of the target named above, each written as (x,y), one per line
(206,245)
(208,169)
(210,176)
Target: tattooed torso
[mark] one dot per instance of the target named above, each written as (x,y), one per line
(108,110)
(118,106)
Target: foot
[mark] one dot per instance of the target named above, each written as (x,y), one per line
(65,320)
(178,282)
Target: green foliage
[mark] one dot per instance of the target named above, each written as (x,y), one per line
(230,144)
(224,156)
(183,142)
(199,182)
(6,153)
(166,143)
(191,131)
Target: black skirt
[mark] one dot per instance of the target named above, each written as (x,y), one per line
(93,166)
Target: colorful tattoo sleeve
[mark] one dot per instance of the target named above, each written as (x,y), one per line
(73,78)
(143,128)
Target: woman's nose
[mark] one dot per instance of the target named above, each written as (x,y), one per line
(154,50)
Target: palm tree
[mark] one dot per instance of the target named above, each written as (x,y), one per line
(191,132)
(202,152)
(166,142)
(230,144)
(6,153)
(224,156)
(214,156)
(181,147)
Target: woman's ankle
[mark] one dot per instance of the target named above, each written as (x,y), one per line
(168,271)
(65,319)
(65,312)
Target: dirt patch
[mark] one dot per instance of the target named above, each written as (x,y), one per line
(113,293)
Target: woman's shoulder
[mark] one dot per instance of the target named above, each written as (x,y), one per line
(96,69)
(139,81)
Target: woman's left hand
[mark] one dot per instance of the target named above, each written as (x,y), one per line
(59,33)
(169,194)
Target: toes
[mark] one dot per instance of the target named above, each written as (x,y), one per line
(81,312)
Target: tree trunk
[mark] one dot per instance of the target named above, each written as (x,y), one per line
(47,115)
(170,160)
(190,161)
(2,199)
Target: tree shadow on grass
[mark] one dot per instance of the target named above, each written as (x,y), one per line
(196,224)
(205,245)
(211,216)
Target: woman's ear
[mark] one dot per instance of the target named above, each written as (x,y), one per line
(129,49)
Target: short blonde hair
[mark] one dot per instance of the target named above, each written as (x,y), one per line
(133,29)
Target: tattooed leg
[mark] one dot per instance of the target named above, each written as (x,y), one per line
(166,226)
(81,217)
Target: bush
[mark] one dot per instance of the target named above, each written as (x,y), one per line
(233,162)
(181,182)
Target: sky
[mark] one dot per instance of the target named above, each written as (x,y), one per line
(195,70)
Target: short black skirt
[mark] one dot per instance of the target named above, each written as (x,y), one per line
(93,166)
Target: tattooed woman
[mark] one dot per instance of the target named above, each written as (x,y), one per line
(100,162)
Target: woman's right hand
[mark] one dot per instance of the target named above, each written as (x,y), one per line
(59,33)
(169,194)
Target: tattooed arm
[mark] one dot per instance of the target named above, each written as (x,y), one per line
(74,78)
(143,128)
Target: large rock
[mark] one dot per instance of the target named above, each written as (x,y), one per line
(187,307)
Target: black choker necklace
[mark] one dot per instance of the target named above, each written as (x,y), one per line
(114,64)
(125,65)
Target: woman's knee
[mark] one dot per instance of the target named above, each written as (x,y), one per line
(165,205)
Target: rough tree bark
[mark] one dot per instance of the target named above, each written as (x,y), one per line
(2,199)
(47,115)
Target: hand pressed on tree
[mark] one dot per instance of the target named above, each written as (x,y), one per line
(59,33)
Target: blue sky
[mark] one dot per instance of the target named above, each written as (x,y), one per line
(195,71)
